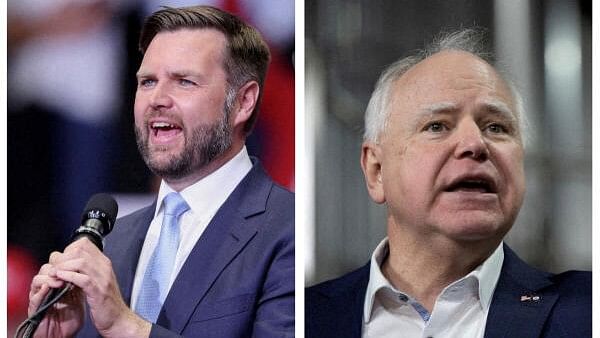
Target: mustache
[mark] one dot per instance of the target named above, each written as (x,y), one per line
(157,113)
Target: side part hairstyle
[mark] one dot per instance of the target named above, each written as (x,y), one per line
(247,54)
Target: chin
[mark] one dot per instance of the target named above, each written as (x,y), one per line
(474,227)
(159,160)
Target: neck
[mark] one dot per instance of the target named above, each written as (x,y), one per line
(423,267)
(181,183)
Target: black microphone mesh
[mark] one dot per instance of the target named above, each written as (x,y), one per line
(105,203)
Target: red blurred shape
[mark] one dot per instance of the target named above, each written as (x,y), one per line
(277,124)
(21,267)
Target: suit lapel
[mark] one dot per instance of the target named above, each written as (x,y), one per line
(341,315)
(350,308)
(225,237)
(128,238)
(515,311)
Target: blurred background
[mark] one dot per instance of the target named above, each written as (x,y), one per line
(71,87)
(545,45)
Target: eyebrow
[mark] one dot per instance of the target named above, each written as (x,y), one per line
(428,111)
(140,75)
(438,108)
(184,73)
(500,108)
(175,74)
(495,107)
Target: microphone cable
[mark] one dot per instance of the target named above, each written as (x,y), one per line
(30,324)
(96,222)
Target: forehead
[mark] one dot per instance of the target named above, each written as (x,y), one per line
(450,78)
(197,45)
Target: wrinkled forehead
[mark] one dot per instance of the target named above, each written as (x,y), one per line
(452,78)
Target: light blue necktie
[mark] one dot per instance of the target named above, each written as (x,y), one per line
(155,284)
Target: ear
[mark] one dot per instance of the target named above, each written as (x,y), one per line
(246,99)
(370,161)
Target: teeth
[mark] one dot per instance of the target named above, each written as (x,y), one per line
(162,125)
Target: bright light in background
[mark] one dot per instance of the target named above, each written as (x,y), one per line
(562,56)
(309,227)
(569,135)
(315,108)
(563,69)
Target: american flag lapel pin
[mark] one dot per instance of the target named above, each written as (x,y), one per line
(530,298)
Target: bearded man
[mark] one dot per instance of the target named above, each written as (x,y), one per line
(214,255)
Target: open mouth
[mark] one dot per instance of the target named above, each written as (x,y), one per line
(164,129)
(478,185)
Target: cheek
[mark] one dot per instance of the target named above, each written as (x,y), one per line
(200,108)
(426,162)
(412,171)
(139,107)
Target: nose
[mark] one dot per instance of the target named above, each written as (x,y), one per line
(160,97)
(470,143)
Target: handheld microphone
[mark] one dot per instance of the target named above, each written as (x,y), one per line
(97,221)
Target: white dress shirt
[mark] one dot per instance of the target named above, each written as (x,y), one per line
(204,198)
(459,311)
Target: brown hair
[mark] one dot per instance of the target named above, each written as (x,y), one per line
(247,55)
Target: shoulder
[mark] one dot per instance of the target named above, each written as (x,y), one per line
(340,294)
(566,298)
(350,282)
(260,206)
(571,286)
(569,283)
(258,194)
(261,184)
(281,196)
(574,287)
(267,204)
(572,313)
(335,308)
(275,225)
(582,280)
(280,205)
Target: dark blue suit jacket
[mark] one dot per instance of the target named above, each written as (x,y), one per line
(238,281)
(564,309)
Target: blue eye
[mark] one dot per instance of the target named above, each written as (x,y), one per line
(146,83)
(435,127)
(496,128)
(186,82)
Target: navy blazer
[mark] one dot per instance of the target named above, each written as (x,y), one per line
(564,309)
(238,280)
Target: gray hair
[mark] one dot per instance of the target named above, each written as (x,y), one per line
(467,40)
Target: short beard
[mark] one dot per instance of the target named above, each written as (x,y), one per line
(205,143)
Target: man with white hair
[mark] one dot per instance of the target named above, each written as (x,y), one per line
(443,150)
